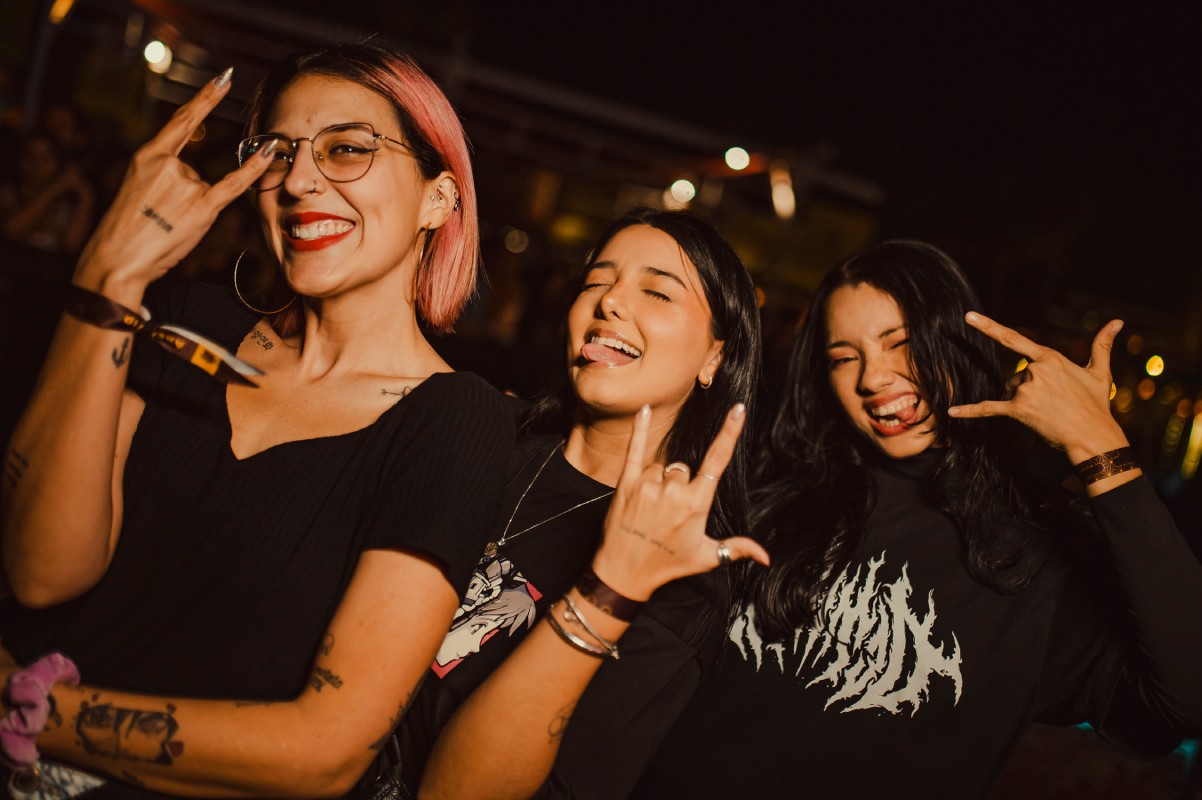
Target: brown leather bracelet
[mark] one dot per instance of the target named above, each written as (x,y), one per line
(599,594)
(1112,462)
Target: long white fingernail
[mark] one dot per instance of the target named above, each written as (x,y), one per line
(223,80)
(269,148)
(645,412)
(738,411)
(972,316)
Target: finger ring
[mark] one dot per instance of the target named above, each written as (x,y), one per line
(707,476)
(676,466)
(723,554)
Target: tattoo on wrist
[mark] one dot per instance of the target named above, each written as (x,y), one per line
(150,213)
(378,744)
(560,723)
(14,468)
(323,677)
(129,733)
(261,339)
(122,355)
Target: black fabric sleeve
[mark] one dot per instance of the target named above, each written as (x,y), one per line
(1161,583)
(442,481)
(631,703)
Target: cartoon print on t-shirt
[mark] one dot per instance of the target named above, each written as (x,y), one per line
(497,598)
(871,649)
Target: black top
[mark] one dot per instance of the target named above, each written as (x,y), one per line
(228,571)
(916,680)
(552,537)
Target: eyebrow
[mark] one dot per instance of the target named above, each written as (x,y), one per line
(883,334)
(655,272)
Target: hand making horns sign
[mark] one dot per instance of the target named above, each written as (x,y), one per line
(655,529)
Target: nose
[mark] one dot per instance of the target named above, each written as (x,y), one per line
(876,373)
(612,304)
(303,175)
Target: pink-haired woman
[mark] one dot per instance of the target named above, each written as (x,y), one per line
(302,543)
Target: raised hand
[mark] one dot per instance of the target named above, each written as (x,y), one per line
(655,528)
(163,208)
(1068,405)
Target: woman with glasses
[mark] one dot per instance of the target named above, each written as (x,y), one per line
(297,539)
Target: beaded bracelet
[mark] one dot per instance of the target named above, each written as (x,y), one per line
(28,695)
(1105,465)
(599,594)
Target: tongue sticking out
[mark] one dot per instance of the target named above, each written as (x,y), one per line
(603,354)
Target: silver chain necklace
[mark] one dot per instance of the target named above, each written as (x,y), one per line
(490,549)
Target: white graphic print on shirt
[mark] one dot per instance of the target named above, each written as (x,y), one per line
(872,649)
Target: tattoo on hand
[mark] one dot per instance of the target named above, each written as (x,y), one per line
(150,213)
(378,744)
(560,724)
(129,733)
(261,339)
(321,677)
(122,355)
(648,539)
(404,392)
(14,468)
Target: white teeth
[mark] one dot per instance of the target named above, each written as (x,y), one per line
(316,230)
(616,344)
(889,409)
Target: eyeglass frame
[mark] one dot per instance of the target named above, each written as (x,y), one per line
(291,157)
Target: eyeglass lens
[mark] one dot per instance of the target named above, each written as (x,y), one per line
(342,153)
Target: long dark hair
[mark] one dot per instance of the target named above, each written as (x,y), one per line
(734,319)
(814,498)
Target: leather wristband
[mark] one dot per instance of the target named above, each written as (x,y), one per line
(1112,462)
(599,594)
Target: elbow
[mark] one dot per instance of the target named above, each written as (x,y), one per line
(334,774)
(35,589)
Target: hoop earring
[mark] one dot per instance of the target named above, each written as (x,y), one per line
(421,253)
(705,384)
(242,299)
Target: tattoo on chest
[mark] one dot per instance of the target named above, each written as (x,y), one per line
(559,723)
(262,340)
(129,733)
(402,393)
(151,214)
(323,677)
(122,355)
(14,468)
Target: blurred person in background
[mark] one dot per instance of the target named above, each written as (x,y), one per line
(47,203)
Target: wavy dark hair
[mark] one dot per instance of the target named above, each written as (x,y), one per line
(814,497)
(734,319)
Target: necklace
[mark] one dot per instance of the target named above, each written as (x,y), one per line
(490,549)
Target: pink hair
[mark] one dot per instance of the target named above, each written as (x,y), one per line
(446,277)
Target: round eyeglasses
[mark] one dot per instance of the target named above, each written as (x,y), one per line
(342,153)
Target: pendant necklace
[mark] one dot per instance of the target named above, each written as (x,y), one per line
(490,549)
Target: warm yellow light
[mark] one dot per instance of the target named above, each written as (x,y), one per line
(760,297)
(1021,365)
(1155,366)
(1113,390)
(158,57)
(784,202)
(1135,344)
(1123,401)
(516,241)
(1147,388)
(59,10)
(737,158)
(683,191)
(1193,450)
(199,134)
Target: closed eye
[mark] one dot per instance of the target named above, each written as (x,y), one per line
(657,295)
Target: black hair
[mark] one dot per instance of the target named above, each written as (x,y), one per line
(734,319)
(813,496)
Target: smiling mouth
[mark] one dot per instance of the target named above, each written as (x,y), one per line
(897,415)
(609,350)
(319,230)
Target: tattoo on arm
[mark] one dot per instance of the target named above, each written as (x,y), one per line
(648,539)
(323,677)
(14,468)
(122,355)
(560,722)
(378,744)
(327,645)
(132,779)
(129,733)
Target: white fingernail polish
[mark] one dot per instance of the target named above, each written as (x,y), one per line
(223,80)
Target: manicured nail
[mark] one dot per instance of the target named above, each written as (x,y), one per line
(739,411)
(954,411)
(223,80)
(1116,326)
(972,316)
(645,411)
(268,149)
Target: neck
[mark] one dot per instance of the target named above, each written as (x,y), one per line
(597,447)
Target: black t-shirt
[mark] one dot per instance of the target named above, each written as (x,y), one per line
(556,525)
(916,680)
(228,571)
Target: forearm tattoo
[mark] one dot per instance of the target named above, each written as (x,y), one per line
(378,744)
(327,645)
(122,355)
(128,733)
(323,677)
(648,539)
(150,213)
(15,465)
(560,722)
